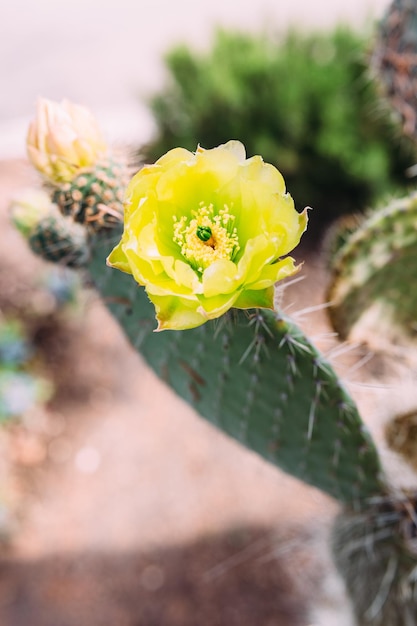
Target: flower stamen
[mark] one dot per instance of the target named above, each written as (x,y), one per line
(207,237)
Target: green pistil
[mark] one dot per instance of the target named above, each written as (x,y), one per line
(203,232)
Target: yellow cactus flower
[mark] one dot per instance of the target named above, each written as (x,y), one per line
(207,231)
(62,139)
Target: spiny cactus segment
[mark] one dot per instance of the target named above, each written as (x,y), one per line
(376,268)
(60,240)
(338,235)
(376,551)
(394,62)
(95,196)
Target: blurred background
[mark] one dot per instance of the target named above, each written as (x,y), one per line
(118,505)
(108,55)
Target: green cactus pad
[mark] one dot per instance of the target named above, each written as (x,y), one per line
(57,239)
(376,553)
(256,376)
(94,197)
(377,267)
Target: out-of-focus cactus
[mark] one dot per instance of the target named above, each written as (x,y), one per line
(394,62)
(28,208)
(374,290)
(375,271)
(50,235)
(376,550)
(95,196)
(59,240)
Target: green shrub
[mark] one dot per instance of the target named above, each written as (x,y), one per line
(305,104)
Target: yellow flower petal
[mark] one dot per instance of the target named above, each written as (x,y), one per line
(118,259)
(214,307)
(173,313)
(259,298)
(219,277)
(236,148)
(256,170)
(174,157)
(271,274)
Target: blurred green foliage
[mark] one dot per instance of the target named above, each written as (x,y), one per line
(305,103)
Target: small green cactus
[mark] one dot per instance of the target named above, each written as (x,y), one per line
(376,551)
(94,197)
(50,235)
(376,268)
(60,240)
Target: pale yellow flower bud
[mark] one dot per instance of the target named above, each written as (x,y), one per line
(62,139)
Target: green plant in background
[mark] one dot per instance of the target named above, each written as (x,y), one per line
(254,373)
(305,102)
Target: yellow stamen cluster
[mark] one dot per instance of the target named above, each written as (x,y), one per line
(223,243)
